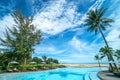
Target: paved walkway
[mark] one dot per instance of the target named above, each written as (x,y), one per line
(106,75)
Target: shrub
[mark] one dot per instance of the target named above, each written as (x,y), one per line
(1,67)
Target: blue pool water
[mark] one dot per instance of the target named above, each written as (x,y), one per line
(56,74)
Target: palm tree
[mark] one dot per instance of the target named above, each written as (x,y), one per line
(50,60)
(105,53)
(44,59)
(98,58)
(96,22)
(37,59)
(117,54)
(56,61)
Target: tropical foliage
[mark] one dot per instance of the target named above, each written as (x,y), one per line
(97,23)
(37,60)
(49,60)
(97,57)
(105,53)
(117,54)
(20,39)
(44,59)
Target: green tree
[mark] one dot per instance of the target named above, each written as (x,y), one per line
(96,22)
(117,54)
(44,59)
(56,61)
(38,60)
(98,59)
(22,37)
(105,53)
(6,58)
(50,60)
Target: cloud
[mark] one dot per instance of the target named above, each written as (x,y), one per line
(77,59)
(6,21)
(84,47)
(77,44)
(48,50)
(113,38)
(57,17)
(114,31)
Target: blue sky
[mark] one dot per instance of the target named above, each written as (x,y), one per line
(61,21)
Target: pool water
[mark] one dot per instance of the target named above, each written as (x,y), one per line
(56,74)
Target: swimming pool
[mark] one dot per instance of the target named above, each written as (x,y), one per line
(56,74)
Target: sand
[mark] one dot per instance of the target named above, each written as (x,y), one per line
(85,65)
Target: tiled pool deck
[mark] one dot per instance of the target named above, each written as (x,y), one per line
(106,75)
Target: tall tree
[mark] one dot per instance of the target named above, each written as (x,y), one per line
(96,22)
(22,37)
(105,53)
(117,54)
(50,60)
(44,59)
(98,58)
(56,61)
(38,60)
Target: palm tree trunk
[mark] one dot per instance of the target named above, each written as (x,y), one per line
(99,64)
(110,65)
(25,61)
(111,58)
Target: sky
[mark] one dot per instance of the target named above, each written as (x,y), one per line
(61,22)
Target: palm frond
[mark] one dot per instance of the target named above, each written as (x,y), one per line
(102,27)
(102,12)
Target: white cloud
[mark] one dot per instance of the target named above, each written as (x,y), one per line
(77,44)
(6,21)
(97,4)
(113,38)
(77,55)
(48,50)
(114,31)
(57,17)
(84,48)
(113,35)
(76,59)
(65,60)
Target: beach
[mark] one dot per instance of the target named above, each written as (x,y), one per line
(85,65)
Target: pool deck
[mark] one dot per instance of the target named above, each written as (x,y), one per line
(106,75)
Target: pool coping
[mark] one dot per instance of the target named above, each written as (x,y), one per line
(106,75)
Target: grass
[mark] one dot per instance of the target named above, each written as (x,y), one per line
(28,67)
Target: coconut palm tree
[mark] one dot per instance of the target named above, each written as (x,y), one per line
(105,53)
(50,60)
(98,58)
(117,54)
(96,22)
(44,59)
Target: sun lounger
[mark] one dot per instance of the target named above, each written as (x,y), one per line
(15,70)
(33,69)
(9,70)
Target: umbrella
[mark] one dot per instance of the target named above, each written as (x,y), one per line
(43,62)
(32,62)
(13,63)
